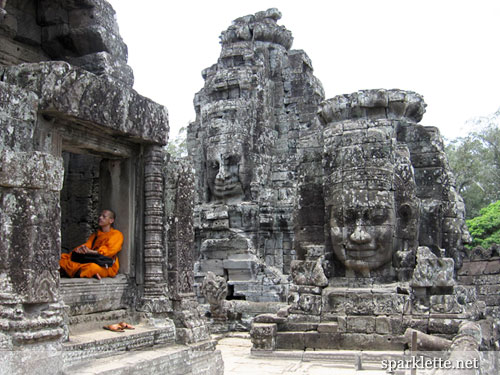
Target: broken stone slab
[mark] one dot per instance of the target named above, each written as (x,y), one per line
(427,342)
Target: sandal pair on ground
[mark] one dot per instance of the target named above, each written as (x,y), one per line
(119,327)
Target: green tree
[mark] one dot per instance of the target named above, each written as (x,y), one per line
(475,160)
(177,147)
(485,228)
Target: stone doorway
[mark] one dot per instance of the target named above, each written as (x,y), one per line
(92,182)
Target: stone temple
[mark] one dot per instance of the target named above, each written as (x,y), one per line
(315,224)
(76,138)
(337,220)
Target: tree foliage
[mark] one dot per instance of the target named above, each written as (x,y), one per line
(177,147)
(485,228)
(475,160)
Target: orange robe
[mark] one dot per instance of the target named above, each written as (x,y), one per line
(108,244)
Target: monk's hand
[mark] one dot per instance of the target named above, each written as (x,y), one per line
(80,250)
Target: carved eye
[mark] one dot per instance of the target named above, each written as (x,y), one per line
(233,160)
(378,216)
(214,164)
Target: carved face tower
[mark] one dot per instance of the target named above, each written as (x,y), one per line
(370,190)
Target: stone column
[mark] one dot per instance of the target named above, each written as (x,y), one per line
(31,312)
(179,206)
(155,287)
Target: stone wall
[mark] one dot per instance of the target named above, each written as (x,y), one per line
(481,271)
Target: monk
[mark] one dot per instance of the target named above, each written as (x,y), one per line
(109,242)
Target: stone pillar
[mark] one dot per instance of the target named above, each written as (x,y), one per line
(31,312)
(155,288)
(179,207)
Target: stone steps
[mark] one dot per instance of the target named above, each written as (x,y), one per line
(99,343)
(173,359)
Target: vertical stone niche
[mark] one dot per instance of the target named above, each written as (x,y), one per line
(93,182)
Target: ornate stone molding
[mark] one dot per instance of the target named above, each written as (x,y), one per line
(155,286)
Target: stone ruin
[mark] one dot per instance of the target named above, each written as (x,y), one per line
(76,138)
(257,100)
(345,209)
(393,232)
(334,223)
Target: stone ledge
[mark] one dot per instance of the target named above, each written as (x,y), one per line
(391,104)
(199,359)
(86,296)
(76,95)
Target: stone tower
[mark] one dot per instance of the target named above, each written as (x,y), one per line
(257,100)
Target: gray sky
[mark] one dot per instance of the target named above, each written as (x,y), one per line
(445,50)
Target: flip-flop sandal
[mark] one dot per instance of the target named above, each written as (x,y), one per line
(114,328)
(124,325)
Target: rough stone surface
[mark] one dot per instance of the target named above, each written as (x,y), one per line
(256,101)
(76,138)
(375,193)
(70,93)
(214,289)
(432,271)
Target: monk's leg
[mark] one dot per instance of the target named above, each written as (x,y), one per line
(68,266)
(92,269)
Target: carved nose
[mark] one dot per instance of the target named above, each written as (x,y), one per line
(360,235)
(222,173)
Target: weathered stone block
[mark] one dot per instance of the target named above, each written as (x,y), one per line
(290,340)
(307,303)
(382,325)
(264,336)
(432,271)
(361,324)
(444,326)
(328,327)
(72,92)
(308,273)
(212,265)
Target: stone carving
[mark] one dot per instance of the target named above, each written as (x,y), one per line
(59,62)
(223,174)
(256,100)
(308,273)
(391,228)
(214,289)
(432,271)
(370,188)
(264,336)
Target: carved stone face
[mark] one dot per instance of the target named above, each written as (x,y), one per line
(223,173)
(362,229)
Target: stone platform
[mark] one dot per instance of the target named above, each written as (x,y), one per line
(240,359)
(145,350)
